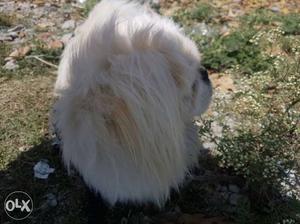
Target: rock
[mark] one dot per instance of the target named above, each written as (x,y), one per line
(224,30)
(11,65)
(44,36)
(14,35)
(42,169)
(55,44)
(14,54)
(23,148)
(24,50)
(10,36)
(233,188)
(16,28)
(275,9)
(5,37)
(69,24)
(20,53)
(45,24)
(209,145)
(66,38)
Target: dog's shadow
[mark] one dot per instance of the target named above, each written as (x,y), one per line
(67,192)
(64,198)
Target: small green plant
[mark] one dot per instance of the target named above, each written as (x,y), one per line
(291,24)
(259,17)
(236,49)
(203,12)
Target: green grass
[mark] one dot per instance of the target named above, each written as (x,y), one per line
(290,23)
(202,12)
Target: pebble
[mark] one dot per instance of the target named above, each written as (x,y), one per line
(69,24)
(16,28)
(275,9)
(5,37)
(11,65)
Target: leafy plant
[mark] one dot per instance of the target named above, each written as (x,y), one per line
(203,12)
(291,24)
(236,49)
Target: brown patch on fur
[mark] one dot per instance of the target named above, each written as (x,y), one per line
(116,113)
(177,76)
(120,122)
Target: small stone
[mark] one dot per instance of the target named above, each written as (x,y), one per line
(13,34)
(55,44)
(209,145)
(275,9)
(8,59)
(233,188)
(21,52)
(44,25)
(42,169)
(4,37)
(24,50)
(11,65)
(44,36)
(69,24)
(23,148)
(14,54)
(16,28)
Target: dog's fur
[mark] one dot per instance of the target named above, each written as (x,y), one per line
(127,90)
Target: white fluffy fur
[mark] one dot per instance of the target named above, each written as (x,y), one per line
(125,103)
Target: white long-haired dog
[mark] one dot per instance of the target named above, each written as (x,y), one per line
(129,84)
